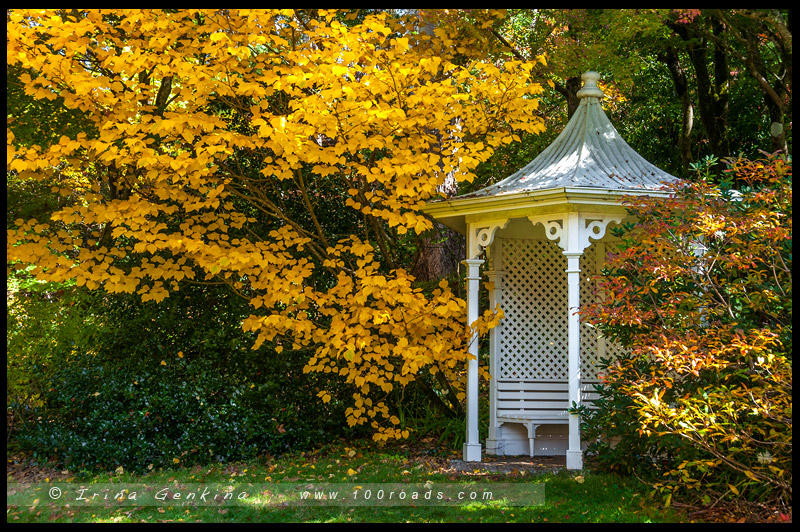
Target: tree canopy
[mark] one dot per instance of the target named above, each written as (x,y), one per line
(284,153)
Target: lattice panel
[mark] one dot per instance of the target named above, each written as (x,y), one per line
(533,343)
(591,348)
(533,335)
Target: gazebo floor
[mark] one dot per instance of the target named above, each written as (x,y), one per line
(509,464)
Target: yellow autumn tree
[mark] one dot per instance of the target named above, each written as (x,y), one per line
(227,146)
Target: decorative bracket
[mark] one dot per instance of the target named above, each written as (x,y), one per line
(481,235)
(553,229)
(595,228)
(572,231)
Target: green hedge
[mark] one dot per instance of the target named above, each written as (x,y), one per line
(176,383)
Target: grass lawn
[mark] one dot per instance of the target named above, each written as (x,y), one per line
(352,470)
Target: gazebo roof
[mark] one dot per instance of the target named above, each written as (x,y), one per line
(588,158)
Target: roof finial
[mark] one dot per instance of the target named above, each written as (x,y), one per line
(590,88)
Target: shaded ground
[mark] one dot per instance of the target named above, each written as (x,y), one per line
(20,469)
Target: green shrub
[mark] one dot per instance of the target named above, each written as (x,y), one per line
(44,324)
(102,414)
(177,383)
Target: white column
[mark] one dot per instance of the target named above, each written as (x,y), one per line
(472,446)
(573,231)
(574,244)
(574,453)
(495,277)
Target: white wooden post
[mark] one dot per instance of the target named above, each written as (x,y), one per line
(479,236)
(574,244)
(574,452)
(472,445)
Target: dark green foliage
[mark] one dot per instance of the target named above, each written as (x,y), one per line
(39,121)
(177,383)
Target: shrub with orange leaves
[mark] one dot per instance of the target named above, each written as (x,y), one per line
(700,293)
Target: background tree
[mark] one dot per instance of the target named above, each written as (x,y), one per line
(760,41)
(731,68)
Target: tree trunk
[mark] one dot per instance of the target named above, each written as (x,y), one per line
(721,91)
(712,95)
(438,255)
(670,58)
(570,92)
(777,132)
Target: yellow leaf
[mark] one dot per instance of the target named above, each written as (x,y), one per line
(325,396)
(18,165)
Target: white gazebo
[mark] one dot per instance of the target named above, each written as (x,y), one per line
(543,230)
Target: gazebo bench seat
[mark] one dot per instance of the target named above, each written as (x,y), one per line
(535,403)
